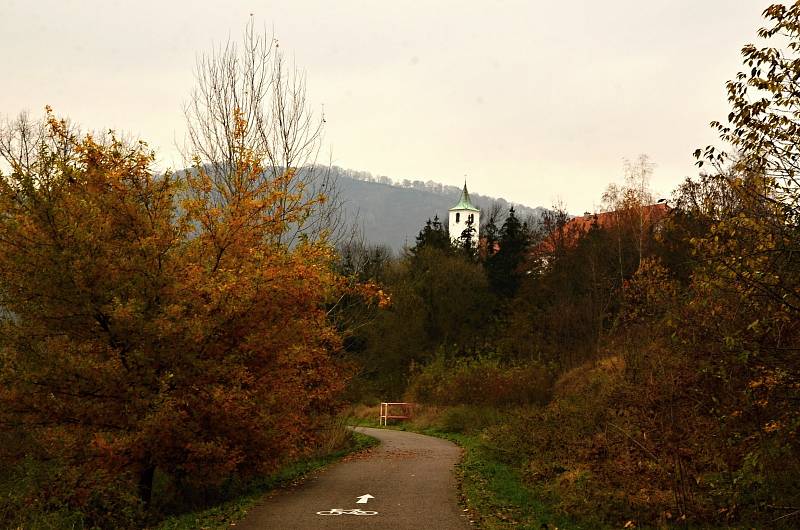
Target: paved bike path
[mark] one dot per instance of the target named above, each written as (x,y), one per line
(410,476)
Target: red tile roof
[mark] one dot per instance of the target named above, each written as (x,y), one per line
(576,227)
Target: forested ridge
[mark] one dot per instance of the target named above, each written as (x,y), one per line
(388,212)
(167,340)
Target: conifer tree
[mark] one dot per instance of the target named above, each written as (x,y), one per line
(466,241)
(503,266)
(432,235)
(490,234)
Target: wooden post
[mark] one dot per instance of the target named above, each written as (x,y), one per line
(404,413)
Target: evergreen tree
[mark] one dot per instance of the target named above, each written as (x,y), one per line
(490,234)
(466,241)
(503,266)
(424,236)
(432,235)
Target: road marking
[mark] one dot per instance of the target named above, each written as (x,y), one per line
(364,499)
(352,511)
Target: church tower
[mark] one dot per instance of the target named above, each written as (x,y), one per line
(461,215)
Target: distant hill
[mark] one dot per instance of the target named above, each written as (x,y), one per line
(392,213)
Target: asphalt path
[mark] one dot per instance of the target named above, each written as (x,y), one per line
(410,478)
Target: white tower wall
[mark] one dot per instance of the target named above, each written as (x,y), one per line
(457,223)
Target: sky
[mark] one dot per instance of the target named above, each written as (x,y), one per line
(534,101)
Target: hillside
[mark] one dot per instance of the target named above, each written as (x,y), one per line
(392,213)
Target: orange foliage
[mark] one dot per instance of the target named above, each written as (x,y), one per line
(156,322)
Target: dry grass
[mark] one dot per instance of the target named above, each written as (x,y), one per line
(592,373)
(334,437)
(424,416)
(361,414)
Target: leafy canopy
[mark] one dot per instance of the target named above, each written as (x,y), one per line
(146,325)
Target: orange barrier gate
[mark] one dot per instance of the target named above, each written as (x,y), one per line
(405,411)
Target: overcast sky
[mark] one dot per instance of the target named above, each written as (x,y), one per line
(535,101)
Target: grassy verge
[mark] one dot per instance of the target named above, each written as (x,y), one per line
(494,492)
(222,515)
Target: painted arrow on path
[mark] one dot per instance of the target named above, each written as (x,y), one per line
(364,499)
(424,493)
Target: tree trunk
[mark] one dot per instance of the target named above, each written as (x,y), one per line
(146,484)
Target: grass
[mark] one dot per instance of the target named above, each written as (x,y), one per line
(224,514)
(494,493)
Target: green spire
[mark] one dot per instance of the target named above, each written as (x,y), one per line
(464,203)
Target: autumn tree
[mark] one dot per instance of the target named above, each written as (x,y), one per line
(763,131)
(149,328)
(748,287)
(697,204)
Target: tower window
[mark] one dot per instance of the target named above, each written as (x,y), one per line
(471,218)
(458,217)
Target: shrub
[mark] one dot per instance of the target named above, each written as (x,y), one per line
(466,419)
(479,381)
(36,494)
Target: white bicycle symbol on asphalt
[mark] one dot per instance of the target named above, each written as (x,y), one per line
(353,511)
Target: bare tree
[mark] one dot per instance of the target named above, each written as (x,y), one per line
(637,180)
(250,83)
(630,207)
(21,142)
